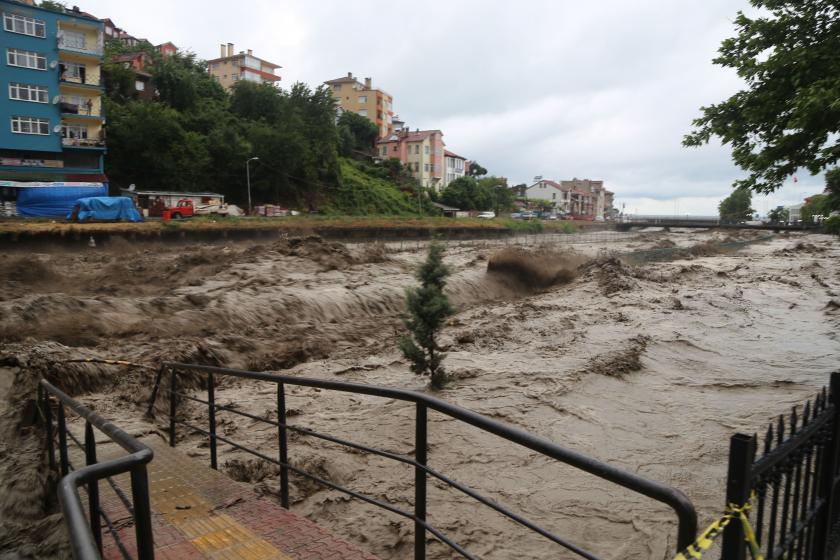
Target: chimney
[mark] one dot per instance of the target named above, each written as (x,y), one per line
(368,83)
(223,51)
(250,52)
(230,49)
(349,74)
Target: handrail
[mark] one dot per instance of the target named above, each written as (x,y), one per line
(676,500)
(84,543)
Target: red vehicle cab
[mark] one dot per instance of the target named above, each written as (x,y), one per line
(184,209)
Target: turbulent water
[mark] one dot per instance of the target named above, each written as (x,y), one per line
(650,367)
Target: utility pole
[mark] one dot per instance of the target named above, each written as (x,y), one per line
(248,179)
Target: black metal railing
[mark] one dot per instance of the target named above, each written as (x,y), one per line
(686,515)
(86,530)
(792,486)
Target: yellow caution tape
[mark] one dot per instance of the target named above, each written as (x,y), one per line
(706,539)
(112,362)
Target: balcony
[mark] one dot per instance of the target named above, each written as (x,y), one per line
(80,81)
(81,108)
(80,44)
(83,142)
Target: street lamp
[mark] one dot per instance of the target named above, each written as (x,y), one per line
(248,178)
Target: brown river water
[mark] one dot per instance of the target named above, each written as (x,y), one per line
(649,366)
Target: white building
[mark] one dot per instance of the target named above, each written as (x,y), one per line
(454,167)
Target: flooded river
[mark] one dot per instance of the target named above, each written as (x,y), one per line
(649,365)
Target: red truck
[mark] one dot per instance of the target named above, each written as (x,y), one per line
(184,209)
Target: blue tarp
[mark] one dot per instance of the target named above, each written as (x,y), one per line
(53,202)
(105,208)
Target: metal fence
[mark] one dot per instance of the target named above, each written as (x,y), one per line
(422,472)
(86,530)
(791,485)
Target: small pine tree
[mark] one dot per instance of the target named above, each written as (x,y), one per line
(428,308)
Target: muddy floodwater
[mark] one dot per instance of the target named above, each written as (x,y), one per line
(646,351)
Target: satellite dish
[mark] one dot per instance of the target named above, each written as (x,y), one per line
(56,99)
(53,64)
(57,128)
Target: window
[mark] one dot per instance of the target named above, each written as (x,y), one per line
(554,196)
(74,131)
(337,87)
(72,39)
(234,77)
(30,125)
(363,99)
(25,92)
(139,85)
(25,25)
(26,59)
(425,167)
(384,150)
(363,112)
(395,148)
(417,148)
(73,71)
(416,166)
(426,149)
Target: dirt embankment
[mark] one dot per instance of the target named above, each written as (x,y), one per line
(647,365)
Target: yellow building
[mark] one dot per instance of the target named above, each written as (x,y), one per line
(377,105)
(230,68)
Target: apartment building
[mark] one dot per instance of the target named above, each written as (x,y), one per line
(421,152)
(582,198)
(361,98)
(230,68)
(51,99)
(454,166)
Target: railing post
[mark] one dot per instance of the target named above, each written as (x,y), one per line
(211,399)
(45,404)
(738,486)
(93,487)
(283,445)
(155,389)
(142,513)
(62,440)
(420,444)
(173,387)
(828,513)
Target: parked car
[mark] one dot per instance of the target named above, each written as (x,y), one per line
(548,216)
(487,215)
(529,215)
(516,216)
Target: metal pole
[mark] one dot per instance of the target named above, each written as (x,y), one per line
(62,440)
(211,399)
(142,513)
(93,487)
(420,443)
(738,487)
(173,386)
(283,445)
(248,178)
(155,389)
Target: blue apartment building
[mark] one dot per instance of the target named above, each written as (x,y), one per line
(52,141)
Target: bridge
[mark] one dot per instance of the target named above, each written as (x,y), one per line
(707,222)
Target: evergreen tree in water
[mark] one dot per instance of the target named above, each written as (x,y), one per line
(428,308)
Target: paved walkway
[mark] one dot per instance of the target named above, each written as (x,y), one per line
(201,513)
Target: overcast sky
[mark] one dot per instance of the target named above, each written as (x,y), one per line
(603,89)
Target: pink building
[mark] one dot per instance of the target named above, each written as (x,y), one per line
(420,151)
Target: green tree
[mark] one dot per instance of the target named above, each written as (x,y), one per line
(428,309)
(476,170)
(358,133)
(778,215)
(816,208)
(789,114)
(465,193)
(832,188)
(736,207)
(53,6)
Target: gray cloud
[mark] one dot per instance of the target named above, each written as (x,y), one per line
(601,89)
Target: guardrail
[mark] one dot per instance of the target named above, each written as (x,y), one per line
(86,531)
(673,498)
